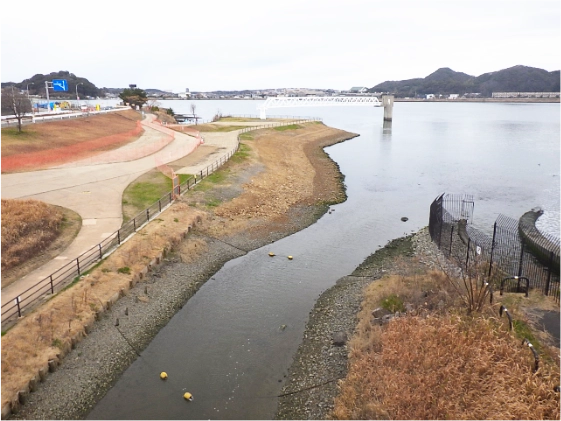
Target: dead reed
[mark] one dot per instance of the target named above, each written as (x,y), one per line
(441,364)
(46,332)
(28,227)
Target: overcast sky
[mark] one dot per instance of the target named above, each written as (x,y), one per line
(207,45)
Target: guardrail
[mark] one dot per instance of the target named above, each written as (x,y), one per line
(15,308)
(37,118)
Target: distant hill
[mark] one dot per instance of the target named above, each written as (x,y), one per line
(446,81)
(36,86)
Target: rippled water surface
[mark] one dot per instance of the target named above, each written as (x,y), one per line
(226,346)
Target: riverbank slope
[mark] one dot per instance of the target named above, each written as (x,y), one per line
(279,182)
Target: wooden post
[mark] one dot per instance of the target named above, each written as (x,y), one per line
(387,102)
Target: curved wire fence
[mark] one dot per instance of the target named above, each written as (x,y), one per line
(508,257)
(17,306)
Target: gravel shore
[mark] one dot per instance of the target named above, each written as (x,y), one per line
(319,364)
(124,330)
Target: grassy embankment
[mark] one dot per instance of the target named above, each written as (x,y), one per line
(443,362)
(49,332)
(43,145)
(33,232)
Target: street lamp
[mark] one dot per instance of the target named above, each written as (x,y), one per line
(32,83)
(77,97)
(32,109)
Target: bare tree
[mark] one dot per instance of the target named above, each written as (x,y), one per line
(193,109)
(152,104)
(15,103)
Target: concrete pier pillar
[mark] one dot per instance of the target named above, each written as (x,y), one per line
(387,102)
(387,127)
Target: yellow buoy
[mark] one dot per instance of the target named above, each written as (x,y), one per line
(188,396)
(163,375)
(289,257)
(271,254)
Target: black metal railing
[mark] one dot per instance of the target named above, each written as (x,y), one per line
(58,280)
(507,255)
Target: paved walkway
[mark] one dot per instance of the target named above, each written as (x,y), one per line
(93,187)
(93,191)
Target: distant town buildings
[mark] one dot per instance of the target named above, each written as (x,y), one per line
(262,93)
(525,95)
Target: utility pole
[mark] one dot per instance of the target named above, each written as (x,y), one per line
(47,91)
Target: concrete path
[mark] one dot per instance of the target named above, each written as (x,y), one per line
(93,191)
(93,187)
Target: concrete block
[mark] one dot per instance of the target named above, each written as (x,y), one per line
(53,365)
(23,395)
(15,405)
(65,349)
(33,383)
(43,372)
(88,326)
(114,298)
(6,410)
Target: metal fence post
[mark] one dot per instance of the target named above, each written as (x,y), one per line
(492,249)
(451,234)
(100,252)
(134,223)
(546,292)
(147,214)
(19,308)
(52,285)
(78,264)
(160,204)
(119,236)
(521,261)
(467,254)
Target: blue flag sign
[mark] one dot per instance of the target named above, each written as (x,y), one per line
(60,85)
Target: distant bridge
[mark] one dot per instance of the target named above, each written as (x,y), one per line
(318,101)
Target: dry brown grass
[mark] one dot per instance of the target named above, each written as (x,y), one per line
(42,334)
(28,228)
(55,134)
(289,177)
(441,365)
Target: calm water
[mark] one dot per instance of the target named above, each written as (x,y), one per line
(225,345)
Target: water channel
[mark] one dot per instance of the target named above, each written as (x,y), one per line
(225,346)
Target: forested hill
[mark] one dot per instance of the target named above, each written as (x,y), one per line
(76,85)
(446,81)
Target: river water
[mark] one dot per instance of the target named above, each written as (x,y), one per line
(226,346)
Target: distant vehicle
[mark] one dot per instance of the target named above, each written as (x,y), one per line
(84,107)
